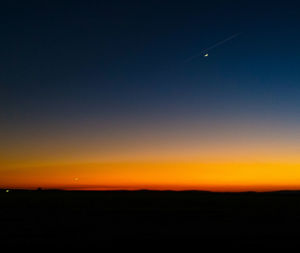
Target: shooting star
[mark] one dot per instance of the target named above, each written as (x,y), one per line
(204,52)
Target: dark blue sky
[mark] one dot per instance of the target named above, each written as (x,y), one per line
(70,61)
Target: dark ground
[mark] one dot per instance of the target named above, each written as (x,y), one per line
(150,220)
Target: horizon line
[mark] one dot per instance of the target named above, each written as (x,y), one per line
(39,189)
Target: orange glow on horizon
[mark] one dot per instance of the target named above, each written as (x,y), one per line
(218,159)
(157,176)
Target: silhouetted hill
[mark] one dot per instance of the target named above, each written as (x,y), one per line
(150,219)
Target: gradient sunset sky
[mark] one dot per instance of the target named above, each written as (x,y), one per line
(99,95)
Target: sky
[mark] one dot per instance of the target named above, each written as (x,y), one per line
(118,95)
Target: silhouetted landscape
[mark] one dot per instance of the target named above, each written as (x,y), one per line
(156,95)
(150,219)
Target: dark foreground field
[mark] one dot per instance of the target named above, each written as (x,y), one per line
(150,220)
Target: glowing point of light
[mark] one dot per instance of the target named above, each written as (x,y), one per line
(7,191)
(205,55)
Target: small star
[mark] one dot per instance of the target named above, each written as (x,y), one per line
(205,55)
